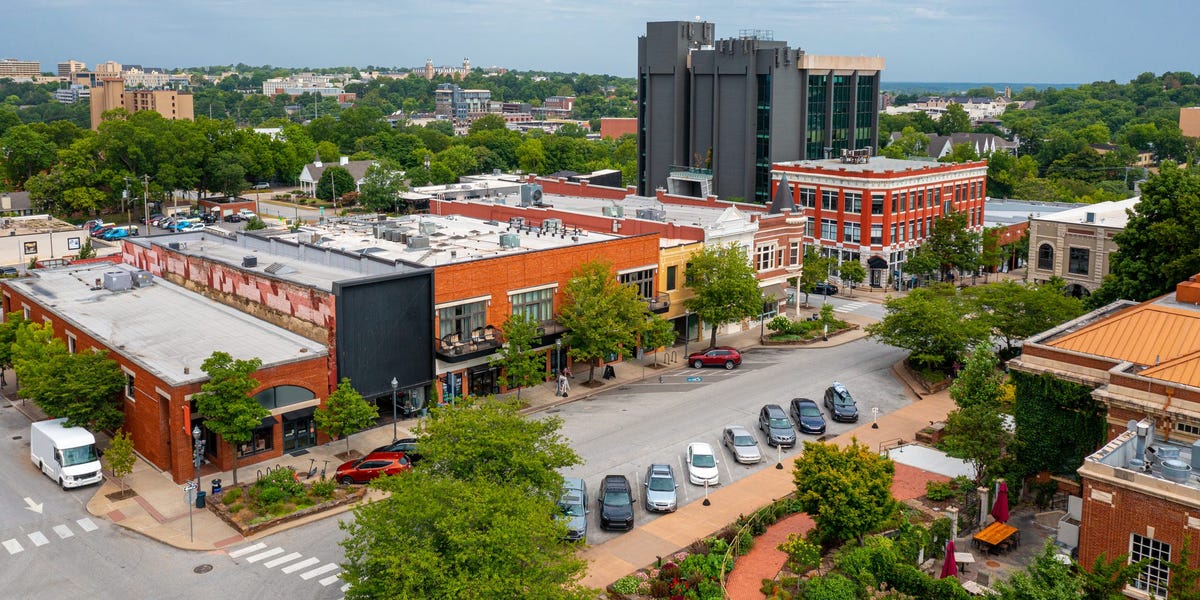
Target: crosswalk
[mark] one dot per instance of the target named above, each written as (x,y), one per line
(37,539)
(291,563)
(850,307)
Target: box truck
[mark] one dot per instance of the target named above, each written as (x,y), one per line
(67,455)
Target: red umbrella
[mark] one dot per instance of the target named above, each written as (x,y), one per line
(1000,508)
(949,566)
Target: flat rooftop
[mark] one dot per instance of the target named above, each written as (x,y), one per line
(1106,214)
(1007,211)
(876,164)
(1165,468)
(679,214)
(35,224)
(162,327)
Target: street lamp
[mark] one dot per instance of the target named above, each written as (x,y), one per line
(197,452)
(558,354)
(394,385)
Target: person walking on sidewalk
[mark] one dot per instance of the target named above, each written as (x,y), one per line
(564,383)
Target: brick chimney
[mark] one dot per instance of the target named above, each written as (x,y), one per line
(1188,291)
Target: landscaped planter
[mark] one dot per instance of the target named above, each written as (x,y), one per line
(342,496)
(767,341)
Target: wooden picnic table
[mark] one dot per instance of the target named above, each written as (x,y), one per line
(995,534)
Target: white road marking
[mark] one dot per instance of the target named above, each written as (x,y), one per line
(331,579)
(275,562)
(63,531)
(321,570)
(38,539)
(247,550)
(262,555)
(13,546)
(345,587)
(87,524)
(308,562)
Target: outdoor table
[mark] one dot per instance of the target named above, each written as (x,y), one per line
(963,559)
(995,534)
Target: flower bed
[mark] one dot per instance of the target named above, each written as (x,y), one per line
(279,498)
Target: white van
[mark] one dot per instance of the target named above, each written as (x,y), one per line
(65,454)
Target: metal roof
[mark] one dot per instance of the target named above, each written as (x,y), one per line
(1162,334)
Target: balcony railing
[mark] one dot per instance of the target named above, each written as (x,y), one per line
(456,347)
(659,303)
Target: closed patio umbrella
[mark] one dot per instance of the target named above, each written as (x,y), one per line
(949,566)
(1000,508)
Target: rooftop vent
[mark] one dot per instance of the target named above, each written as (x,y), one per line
(510,240)
(1176,470)
(118,281)
(428,227)
(249,262)
(418,242)
(142,278)
(552,224)
(279,269)
(531,194)
(517,222)
(615,211)
(1089,217)
(652,214)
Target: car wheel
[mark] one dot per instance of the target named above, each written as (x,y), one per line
(697,363)
(729,365)
(62,483)
(347,480)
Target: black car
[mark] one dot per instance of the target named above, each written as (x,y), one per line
(840,403)
(824,288)
(775,425)
(808,416)
(616,503)
(406,445)
(233,218)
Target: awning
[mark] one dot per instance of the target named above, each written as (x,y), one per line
(775,291)
(876,262)
(268,421)
(302,413)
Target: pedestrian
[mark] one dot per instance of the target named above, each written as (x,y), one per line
(564,383)
(3,381)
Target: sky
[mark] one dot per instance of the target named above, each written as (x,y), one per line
(1027,41)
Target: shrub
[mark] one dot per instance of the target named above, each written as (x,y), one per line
(938,491)
(626,585)
(231,495)
(781,324)
(660,588)
(323,489)
(269,495)
(236,508)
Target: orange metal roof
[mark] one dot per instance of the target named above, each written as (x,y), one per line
(1147,334)
(1183,370)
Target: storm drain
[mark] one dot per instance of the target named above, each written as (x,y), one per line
(202,569)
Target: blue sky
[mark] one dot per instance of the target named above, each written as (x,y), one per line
(1037,41)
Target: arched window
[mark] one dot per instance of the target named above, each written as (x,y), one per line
(283,395)
(1045,257)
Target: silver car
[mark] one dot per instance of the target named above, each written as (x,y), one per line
(574,508)
(742,444)
(660,488)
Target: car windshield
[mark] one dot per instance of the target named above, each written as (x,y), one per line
(615,498)
(810,411)
(572,507)
(661,484)
(704,460)
(779,423)
(843,401)
(79,456)
(745,440)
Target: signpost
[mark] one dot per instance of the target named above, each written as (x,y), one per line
(188,488)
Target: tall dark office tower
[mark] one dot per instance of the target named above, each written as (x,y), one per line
(713,115)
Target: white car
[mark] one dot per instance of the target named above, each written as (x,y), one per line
(247,215)
(702,464)
(192,227)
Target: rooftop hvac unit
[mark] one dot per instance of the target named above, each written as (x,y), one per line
(652,214)
(118,281)
(552,225)
(173,245)
(516,222)
(249,262)
(614,211)
(418,242)
(428,227)
(531,194)
(510,240)
(142,278)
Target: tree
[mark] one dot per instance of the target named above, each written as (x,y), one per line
(979,382)
(345,412)
(225,402)
(521,365)
(657,332)
(975,431)
(120,457)
(489,122)
(954,120)
(853,273)
(933,323)
(830,587)
(952,244)
(1046,578)
(726,290)
(910,143)
(1015,311)
(531,156)
(8,334)
(846,490)
(1107,579)
(814,270)
(334,183)
(381,187)
(992,255)
(81,387)
(1184,583)
(960,153)
(602,316)
(1160,245)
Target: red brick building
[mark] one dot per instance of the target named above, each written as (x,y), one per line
(876,210)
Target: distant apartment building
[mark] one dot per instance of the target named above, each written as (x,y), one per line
(74,93)
(11,68)
(1076,244)
(877,210)
(556,107)
(615,127)
(1189,121)
(454,102)
(109,68)
(69,68)
(302,83)
(111,94)
(723,111)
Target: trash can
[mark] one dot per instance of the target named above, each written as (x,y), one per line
(200,499)
(216,486)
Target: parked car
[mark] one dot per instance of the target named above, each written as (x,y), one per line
(808,416)
(117,233)
(373,465)
(262,185)
(742,444)
(7,272)
(824,288)
(194,226)
(840,403)
(153,216)
(660,488)
(616,503)
(233,218)
(573,503)
(722,356)
(97,225)
(702,464)
(775,425)
(247,214)
(100,231)
(209,217)
(406,445)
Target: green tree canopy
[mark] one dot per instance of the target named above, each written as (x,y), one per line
(381,187)
(602,317)
(975,431)
(656,333)
(726,290)
(846,490)
(1046,578)
(521,365)
(120,456)
(82,387)
(345,412)
(225,402)
(814,270)
(1015,311)
(933,323)
(954,120)
(952,244)
(335,182)
(853,273)
(911,143)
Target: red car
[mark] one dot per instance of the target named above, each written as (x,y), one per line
(373,465)
(721,356)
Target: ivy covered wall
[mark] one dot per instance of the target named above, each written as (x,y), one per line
(1058,423)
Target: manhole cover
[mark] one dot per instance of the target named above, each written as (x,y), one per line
(202,569)
(993,564)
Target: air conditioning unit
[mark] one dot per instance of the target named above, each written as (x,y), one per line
(652,214)
(142,278)
(249,262)
(615,211)
(418,242)
(428,227)
(510,240)
(552,225)
(118,281)
(531,194)
(516,222)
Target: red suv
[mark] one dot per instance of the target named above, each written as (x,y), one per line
(373,465)
(722,356)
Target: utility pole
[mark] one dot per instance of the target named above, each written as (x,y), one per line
(146,198)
